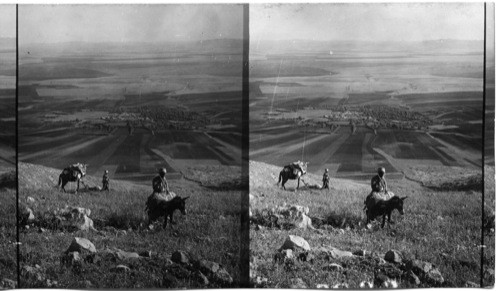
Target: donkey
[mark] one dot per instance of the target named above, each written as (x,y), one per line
(73,173)
(290,172)
(156,208)
(377,207)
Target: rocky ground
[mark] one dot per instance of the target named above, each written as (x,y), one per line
(313,238)
(102,240)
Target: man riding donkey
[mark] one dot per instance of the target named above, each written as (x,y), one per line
(162,202)
(380,201)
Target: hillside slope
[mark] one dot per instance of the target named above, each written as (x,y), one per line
(442,227)
(210,231)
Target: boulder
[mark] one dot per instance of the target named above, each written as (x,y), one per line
(81,245)
(30,199)
(393,256)
(322,286)
(295,242)
(75,218)
(297,283)
(180,257)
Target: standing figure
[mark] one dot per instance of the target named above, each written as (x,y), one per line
(105,181)
(326,180)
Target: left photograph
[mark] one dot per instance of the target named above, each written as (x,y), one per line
(8,256)
(130,121)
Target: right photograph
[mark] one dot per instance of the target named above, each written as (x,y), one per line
(372,145)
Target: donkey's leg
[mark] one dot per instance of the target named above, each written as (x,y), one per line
(64,182)
(383,221)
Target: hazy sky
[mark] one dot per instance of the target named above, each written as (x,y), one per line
(7,20)
(370,22)
(97,23)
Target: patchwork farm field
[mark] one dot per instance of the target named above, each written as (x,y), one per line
(131,115)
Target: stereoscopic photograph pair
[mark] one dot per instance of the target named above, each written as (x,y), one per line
(222,145)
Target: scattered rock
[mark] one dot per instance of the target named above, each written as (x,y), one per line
(26,215)
(393,256)
(8,284)
(413,279)
(334,252)
(366,284)
(341,286)
(306,257)
(260,281)
(327,227)
(180,257)
(121,255)
(439,217)
(75,218)
(359,253)
(146,254)
(294,242)
(42,230)
(202,279)
(120,268)
(81,245)
(297,283)
(259,227)
(30,199)
(470,284)
(71,259)
(283,256)
(87,284)
(207,267)
(333,267)
(223,277)
(435,277)
(51,284)
(304,222)
(298,208)
(420,268)
(489,273)
(322,286)
(32,273)
(380,279)
(169,281)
